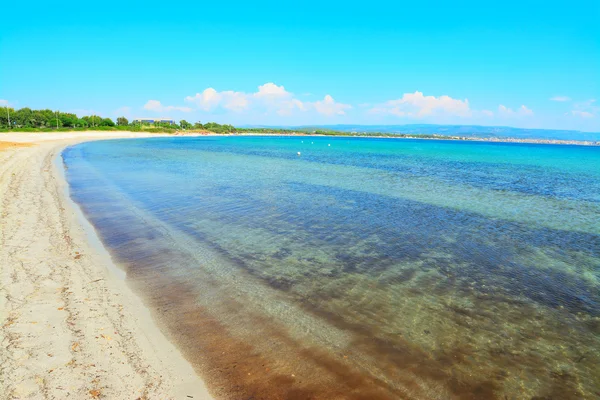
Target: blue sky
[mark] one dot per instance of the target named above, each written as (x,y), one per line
(532,64)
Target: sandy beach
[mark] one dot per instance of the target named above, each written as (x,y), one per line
(70,326)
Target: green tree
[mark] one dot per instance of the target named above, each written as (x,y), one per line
(81,123)
(6,113)
(68,120)
(218,128)
(92,120)
(24,118)
(55,122)
(41,118)
(107,122)
(122,121)
(184,124)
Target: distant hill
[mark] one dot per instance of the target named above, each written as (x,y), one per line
(456,130)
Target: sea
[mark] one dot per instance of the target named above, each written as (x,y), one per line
(299,267)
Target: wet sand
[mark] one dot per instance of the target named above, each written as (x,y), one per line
(69,324)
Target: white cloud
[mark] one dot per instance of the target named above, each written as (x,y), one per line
(505,110)
(522,111)
(289,106)
(560,98)
(3,103)
(582,114)
(156,106)
(153,105)
(235,101)
(418,105)
(328,106)
(207,100)
(275,98)
(585,109)
(269,98)
(587,105)
(271,90)
(210,99)
(525,111)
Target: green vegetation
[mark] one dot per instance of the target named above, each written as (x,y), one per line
(185,125)
(276,131)
(216,128)
(122,121)
(28,120)
(48,119)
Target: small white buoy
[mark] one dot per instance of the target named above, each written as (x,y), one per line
(302,141)
(312,142)
(298,153)
(328,145)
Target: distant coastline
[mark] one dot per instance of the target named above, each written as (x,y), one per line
(28,120)
(424,137)
(252,132)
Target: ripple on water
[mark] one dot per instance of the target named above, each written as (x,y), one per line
(289,278)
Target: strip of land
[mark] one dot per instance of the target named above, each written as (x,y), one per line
(229,130)
(69,325)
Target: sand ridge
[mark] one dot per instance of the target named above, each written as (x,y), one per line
(69,325)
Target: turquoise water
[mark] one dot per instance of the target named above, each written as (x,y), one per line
(361,268)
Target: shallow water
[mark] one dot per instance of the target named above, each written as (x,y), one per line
(363,268)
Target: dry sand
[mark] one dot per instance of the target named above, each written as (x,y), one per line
(69,325)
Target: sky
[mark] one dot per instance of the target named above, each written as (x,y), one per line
(527,63)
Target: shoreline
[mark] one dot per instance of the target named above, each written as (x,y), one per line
(441,137)
(70,324)
(60,289)
(563,142)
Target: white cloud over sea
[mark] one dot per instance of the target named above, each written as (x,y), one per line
(272,102)
(522,111)
(585,109)
(582,114)
(418,105)
(269,98)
